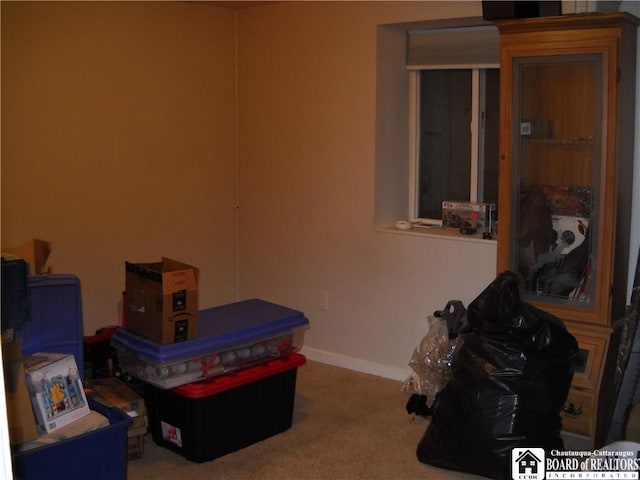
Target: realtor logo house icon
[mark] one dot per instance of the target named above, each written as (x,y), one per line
(527,464)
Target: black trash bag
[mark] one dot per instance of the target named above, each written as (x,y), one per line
(417,405)
(510,380)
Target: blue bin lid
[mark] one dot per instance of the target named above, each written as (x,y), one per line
(56,317)
(219,328)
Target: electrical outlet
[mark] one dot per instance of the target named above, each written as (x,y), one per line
(324,300)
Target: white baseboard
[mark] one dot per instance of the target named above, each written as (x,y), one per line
(356,364)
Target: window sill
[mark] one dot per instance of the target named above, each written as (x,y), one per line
(436,232)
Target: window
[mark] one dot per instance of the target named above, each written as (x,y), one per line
(454,118)
(405,52)
(453,138)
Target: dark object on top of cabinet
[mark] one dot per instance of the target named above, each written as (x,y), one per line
(493,10)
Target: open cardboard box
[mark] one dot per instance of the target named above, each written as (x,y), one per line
(162,300)
(35,252)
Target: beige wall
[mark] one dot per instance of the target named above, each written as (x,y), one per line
(118,140)
(307,117)
(118,137)
(118,143)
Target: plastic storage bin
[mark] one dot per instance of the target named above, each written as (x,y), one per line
(56,317)
(99,455)
(230,336)
(205,420)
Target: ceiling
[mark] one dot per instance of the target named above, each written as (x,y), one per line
(236,4)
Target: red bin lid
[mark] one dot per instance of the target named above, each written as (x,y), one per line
(214,385)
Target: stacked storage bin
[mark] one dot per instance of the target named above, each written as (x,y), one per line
(235,379)
(205,420)
(56,327)
(56,317)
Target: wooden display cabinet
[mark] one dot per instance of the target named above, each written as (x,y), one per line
(565,185)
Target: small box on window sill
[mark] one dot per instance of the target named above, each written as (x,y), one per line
(469,217)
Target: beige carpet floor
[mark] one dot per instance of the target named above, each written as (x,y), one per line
(346,425)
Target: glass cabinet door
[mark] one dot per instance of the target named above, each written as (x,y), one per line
(557,123)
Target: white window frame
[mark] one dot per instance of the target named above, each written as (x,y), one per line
(477,128)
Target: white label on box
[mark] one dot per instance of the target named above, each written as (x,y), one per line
(171,434)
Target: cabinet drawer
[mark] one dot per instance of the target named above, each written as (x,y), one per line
(588,369)
(578,412)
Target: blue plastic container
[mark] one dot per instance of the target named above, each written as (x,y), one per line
(98,455)
(56,317)
(230,336)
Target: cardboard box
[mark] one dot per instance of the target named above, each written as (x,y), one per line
(472,217)
(162,300)
(56,391)
(115,393)
(135,443)
(22,424)
(35,252)
(112,392)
